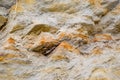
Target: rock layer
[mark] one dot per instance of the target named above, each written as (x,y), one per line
(59,40)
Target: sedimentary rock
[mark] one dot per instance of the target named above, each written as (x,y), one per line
(3,20)
(59,40)
(111,21)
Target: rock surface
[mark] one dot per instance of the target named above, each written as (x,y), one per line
(3,20)
(59,40)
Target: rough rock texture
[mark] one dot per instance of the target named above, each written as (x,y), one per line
(3,20)
(111,21)
(7,4)
(59,40)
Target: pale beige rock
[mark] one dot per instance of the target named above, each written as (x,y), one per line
(6,4)
(61,50)
(111,21)
(60,40)
(100,74)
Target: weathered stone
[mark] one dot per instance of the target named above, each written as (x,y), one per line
(102,37)
(16,28)
(59,53)
(57,7)
(60,40)
(17,8)
(97,50)
(3,11)
(3,20)
(45,44)
(111,21)
(116,71)
(6,3)
(37,29)
(100,74)
(4,56)
(27,1)
(10,45)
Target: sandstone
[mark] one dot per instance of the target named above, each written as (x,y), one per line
(116,71)
(59,39)
(61,7)
(102,37)
(110,22)
(3,20)
(27,1)
(17,8)
(67,46)
(11,41)
(10,44)
(97,50)
(37,29)
(61,50)
(100,74)
(3,11)
(75,39)
(58,57)
(6,4)
(16,28)
(5,57)
(45,43)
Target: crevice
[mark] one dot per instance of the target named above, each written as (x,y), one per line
(5,23)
